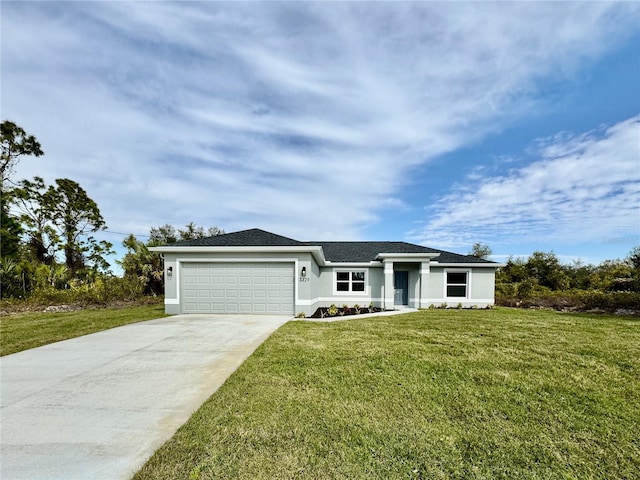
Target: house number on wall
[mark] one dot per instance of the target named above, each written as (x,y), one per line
(304,279)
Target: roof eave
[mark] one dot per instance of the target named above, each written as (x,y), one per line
(408,255)
(372,263)
(317,252)
(469,264)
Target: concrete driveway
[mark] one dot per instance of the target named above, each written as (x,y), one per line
(98,406)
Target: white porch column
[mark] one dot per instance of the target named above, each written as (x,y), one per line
(389,287)
(425,270)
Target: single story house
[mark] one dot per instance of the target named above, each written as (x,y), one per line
(258,272)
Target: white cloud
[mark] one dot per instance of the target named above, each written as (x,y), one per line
(581,188)
(302,118)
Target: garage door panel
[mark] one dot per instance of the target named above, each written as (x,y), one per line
(237,288)
(273,293)
(246,308)
(259,307)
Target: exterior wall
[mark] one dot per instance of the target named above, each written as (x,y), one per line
(303,286)
(377,286)
(484,284)
(435,282)
(480,288)
(325,294)
(171,305)
(317,288)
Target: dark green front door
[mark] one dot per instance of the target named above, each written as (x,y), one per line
(401,286)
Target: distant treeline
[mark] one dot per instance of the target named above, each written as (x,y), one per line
(542,281)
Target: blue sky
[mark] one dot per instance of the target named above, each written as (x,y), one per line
(512,124)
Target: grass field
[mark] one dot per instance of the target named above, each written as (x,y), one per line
(22,331)
(435,394)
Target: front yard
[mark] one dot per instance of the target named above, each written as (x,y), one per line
(21,331)
(435,394)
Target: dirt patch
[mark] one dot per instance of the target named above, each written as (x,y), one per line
(59,309)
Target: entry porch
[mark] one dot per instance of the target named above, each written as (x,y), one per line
(406,280)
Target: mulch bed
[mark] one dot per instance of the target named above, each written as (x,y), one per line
(323,312)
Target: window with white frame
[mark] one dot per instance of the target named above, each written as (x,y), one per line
(350,281)
(457,284)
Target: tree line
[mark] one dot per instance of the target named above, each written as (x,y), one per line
(47,244)
(542,280)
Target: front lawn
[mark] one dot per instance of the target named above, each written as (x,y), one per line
(21,331)
(435,394)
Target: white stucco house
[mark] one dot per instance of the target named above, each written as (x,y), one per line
(258,272)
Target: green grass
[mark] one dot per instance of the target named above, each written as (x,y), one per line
(22,331)
(436,394)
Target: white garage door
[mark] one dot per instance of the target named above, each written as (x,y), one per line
(237,288)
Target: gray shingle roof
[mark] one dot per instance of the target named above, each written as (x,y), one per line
(368,251)
(450,257)
(333,251)
(365,251)
(245,238)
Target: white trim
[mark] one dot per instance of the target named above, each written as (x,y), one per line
(407,255)
(350,293)
(317,252)
(468,284)
(171,301)
(434,263)
(371,264)
(255,249)
(425,268)
(233,260)
(452,301)
(424,301)
(339,300)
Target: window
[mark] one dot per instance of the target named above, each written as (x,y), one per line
(457,284)
(350,281)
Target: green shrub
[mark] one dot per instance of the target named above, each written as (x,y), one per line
(101,291)
(593,299)
(574,300)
